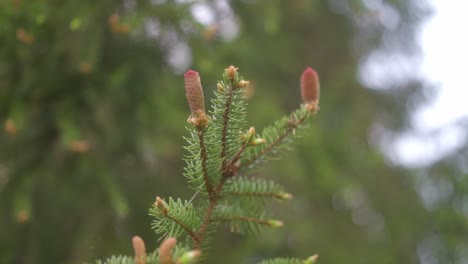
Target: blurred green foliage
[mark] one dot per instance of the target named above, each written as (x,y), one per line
(93,110)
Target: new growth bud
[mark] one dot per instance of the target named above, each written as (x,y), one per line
(189,257)
(195,98)
(161,205)
(248,137)
(231,72)
(220,87)
(310,89)
(244,84)
(140,250)
(275,223)
(258,141)
(285,196)
(311,259)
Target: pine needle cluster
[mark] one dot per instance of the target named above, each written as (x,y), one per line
(221,154)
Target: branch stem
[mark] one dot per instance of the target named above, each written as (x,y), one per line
(291,129)
(243,218)
(204,158)
(225,128)
(258,194)
(189,231)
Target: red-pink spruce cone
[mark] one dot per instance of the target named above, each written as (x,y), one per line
(140,250)
(196,100)
(194,92)
(310,87)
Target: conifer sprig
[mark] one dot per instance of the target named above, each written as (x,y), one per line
(219,148)
(257,188)
(277,137)
(174,218)
(233,148)
(310,260)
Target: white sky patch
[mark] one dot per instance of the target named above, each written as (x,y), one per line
(414,150)
(444,46)
(203,13)
(444,41)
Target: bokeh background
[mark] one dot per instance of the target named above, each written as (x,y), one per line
(93,115)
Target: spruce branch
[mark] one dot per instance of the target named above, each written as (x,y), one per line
(228,112)
(231,72)
(225,129)
(284,129)
(218,149)
(251,187)
(174,218)
(275,135)
(233,166)
(202,165)
(251,221)
(206,222)
(310,260)
(245,219)
(196,101)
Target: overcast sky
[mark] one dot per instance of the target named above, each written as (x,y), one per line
(444,40)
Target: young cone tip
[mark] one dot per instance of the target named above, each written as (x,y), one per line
(196,99)
(310,89)
(165,250)
(139,249)
(194,92)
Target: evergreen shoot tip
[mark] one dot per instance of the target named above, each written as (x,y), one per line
(285,196)
(275,223)
(258,141)
(244,84)
(310,89)
(139,249)
(248,136)
(311,259)
(189,257)
(161,205)
(231,72)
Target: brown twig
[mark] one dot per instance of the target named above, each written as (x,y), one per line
(225,128)
(187,229)
(232,167)
(204,158)
(206,221)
